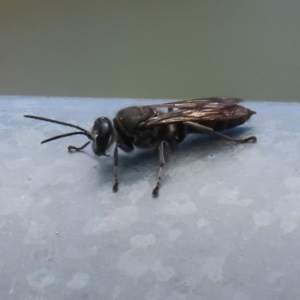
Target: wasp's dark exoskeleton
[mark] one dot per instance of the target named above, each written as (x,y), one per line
(149,127)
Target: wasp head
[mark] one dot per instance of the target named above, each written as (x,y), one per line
(103,135)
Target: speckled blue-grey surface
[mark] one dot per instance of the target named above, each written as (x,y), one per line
(226,224)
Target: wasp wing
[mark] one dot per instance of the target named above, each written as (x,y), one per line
(209,112)
(199,103)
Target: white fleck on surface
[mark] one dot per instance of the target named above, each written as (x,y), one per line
(116,292)
(155,293)
(15,164)
(191,282)
(201,223)
(162,273)
(238,295)
(273,276)
(213,268)
(117,220)
(292,183)
(78,281)
(40,278)
(262,218)
(233,197)
(142,241)
(289,222)
(138,190)
(92,251)
(129,265)
(73,253)
(174,234)
(44,201)
(289,203)
(176,296)
(180,205)
(179,209)
(12,287)
(12,201)
(39,230)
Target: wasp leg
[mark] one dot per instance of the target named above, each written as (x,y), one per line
(70,148)
(162,162)
(204,129)
(116,158)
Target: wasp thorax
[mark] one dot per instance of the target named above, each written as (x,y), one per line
(102,133)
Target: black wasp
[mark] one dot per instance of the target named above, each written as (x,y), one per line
(149,127)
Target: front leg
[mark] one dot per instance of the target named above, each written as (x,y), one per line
(116,159)
(162,162)
(126,148)
(73,148)
(204,129)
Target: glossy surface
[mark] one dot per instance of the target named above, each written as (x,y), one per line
(226,224)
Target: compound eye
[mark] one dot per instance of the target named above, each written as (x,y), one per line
(102,132)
